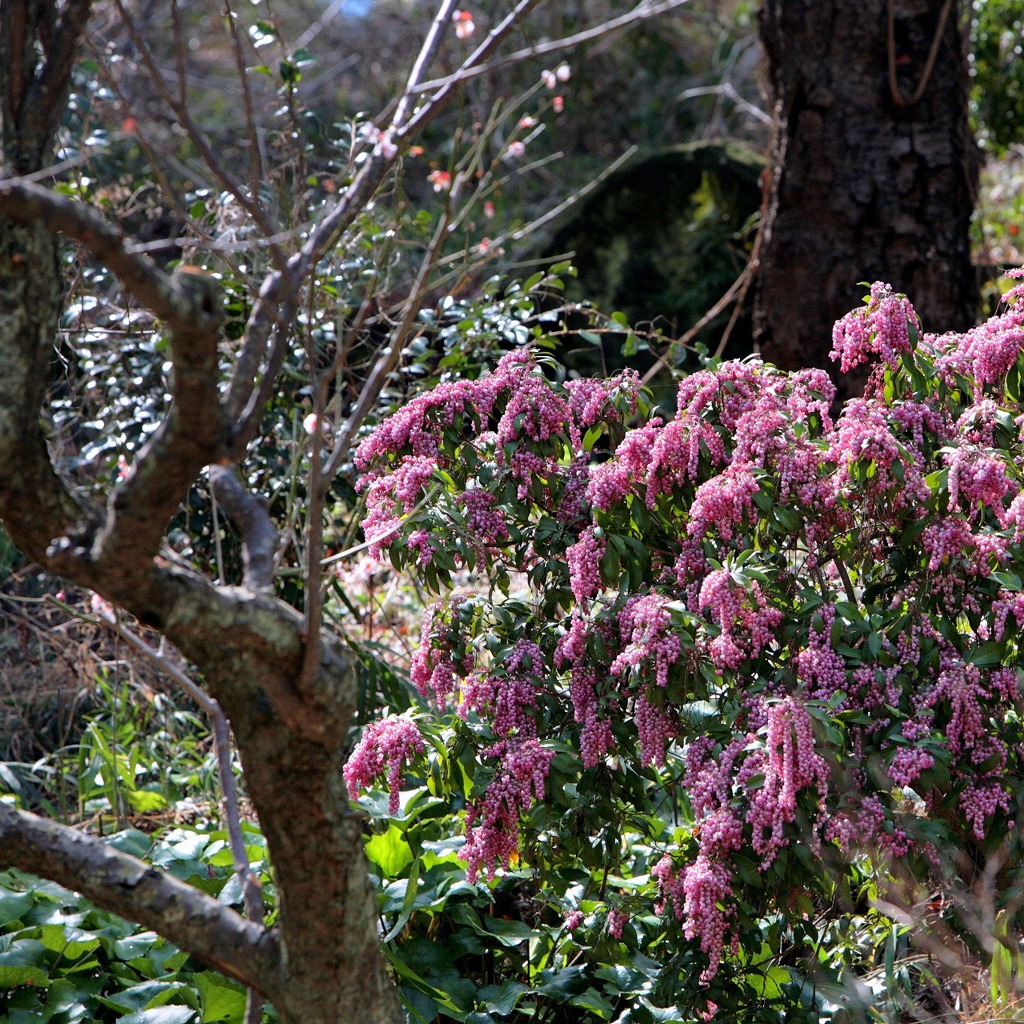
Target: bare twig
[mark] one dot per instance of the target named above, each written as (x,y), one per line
(252,131)
(473,68)
(423,60)
(389,356)
(734,293)
(222,743)
(250,203)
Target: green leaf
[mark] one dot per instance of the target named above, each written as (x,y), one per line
(145,996)
(403,970)
(503,999)
(220,998)
(160,1015)
(986,655)
(411,891)
(390,852)
(24,963)
(592,1000)
(13,906)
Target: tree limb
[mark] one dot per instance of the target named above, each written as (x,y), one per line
(163,295)
(259,535)
(127,886)
(192,435)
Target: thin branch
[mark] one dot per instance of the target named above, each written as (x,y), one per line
(259,535)
(179,54)
(222,743)
(252,132)
(735,292)
(129,887)
(251,204)
(471,69)
(428,51)
(271,322)
(390,356)
(851,594)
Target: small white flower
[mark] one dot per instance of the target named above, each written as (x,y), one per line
(386,147)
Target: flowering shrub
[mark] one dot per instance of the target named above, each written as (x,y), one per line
(789,641)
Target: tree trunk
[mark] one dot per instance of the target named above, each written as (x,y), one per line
(870,180)
(321,963)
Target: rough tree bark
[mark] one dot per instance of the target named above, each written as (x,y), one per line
(870,180)
(288,689)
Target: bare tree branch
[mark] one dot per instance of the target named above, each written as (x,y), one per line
(192,435)
(129,887)
(428,51)
(259,535)
(26,203)
(446,88)
(222,742)
(251,204)
(642,12)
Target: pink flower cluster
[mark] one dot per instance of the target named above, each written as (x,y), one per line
(959,685)
(584,560)
(617,920)
(881,329)
(596,738)
(645,625)
(723,503)
(746,621)
(979,478)
(492,822)
(703,898)
(486,524)
(431,669)
(384,496)
(980,800)
(985,353)
(386,746)
(589,398)
(789,764)
(507,696)
(818,666)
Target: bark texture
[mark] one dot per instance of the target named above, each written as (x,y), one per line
(321,963)
(866,184)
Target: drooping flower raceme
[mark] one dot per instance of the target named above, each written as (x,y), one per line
(385,749)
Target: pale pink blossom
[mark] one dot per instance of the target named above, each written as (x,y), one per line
(441,180)
(464,25)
